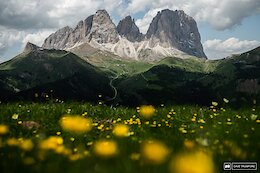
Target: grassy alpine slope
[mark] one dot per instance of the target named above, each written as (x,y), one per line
(62,72)
(35,137)
(195,81)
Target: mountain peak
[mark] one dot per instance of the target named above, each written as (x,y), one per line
(30,47)
(103,29)
(102,11)
(176,29)
(128,29)
(170,33)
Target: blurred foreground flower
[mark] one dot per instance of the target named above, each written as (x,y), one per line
(253,117)
(189,144)
(24,144)
(12,142)
(105,148)
(147,111)
(121,130)
(3,129)
(76,124)
(154,152)
(51,143)
(192,162)
(15,116)
(214,103)
(225,100)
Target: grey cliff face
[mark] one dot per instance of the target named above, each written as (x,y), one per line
(59,39)
(98,27)
(31,47)
(176,29)
(128,29)
(169,31)
(103,30)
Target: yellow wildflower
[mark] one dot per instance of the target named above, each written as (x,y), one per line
(253,117)
(51,143)
(214,103)
(147,111)
(15,116)
(75,157)
(26,145)
(12,142)
(135,156)
(225,100)
(105,148)
(89,143)
(188,144)
(121,130)
(76,124)
(201,121)
(3,129)
(154,152)
(192,162)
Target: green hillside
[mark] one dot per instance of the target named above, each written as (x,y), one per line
(130,82)
(190,64)
(60,71)
(195,81)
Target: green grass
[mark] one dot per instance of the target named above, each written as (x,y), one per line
(192,64)
(231,135)
(117,66)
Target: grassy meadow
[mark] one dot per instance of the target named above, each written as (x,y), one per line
(75,137)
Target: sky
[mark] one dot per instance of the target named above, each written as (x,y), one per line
(226,26)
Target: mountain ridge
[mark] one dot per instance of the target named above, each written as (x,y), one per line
(171,80)
(126,40)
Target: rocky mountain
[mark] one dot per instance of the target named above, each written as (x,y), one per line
(61,39)
(103,30)
(128,29)
(175,29)
(97,29)
(31,47)
(171,33)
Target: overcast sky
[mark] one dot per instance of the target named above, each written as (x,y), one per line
(226,26)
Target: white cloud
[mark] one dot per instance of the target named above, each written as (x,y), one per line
(36,17)
(221,14)
(216,48)
(32,20)
(8,38)
(136,6)
(37,38)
